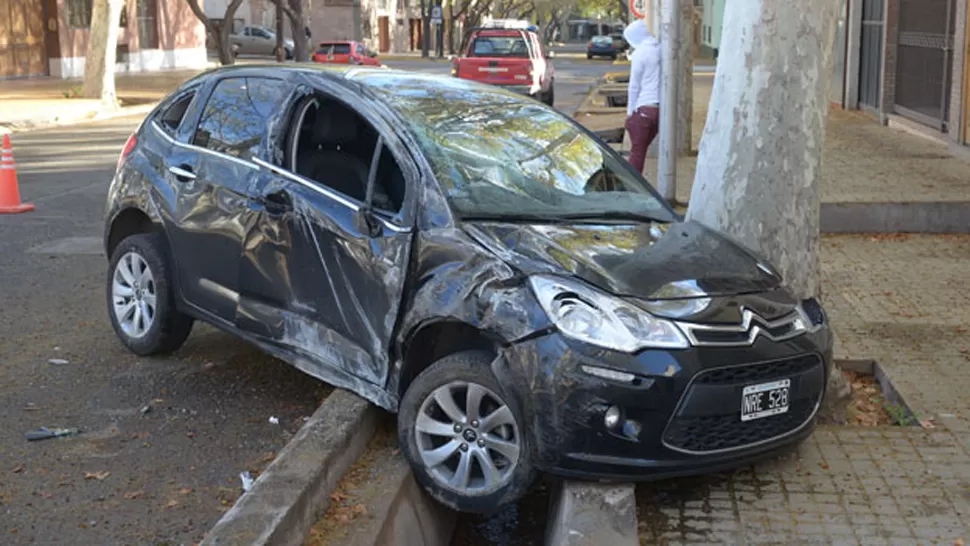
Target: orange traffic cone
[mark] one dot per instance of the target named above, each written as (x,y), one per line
(9,193)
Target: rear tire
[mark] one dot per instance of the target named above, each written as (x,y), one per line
(588,57)
(485,442)
(141,297)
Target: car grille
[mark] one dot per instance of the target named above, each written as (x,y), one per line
(757,372)
(711,433)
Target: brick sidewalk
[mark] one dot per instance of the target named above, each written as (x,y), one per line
(904,301)
(863,161)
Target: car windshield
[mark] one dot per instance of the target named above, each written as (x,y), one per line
(602,40)
(496,154)
(499,46)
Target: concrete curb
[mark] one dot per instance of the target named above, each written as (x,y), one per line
(83,116)
(929,217)
(400,512)
(288,498)
(592,514)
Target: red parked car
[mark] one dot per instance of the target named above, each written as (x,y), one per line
(508,54)
(348,52)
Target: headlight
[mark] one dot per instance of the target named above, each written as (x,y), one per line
(586,314)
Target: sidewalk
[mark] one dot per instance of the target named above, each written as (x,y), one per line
(903,300)
(30,104)
(862,162)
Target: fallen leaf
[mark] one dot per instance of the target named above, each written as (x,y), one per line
(132,495)
(958,542)
(824,466)
(926,423)
(18,469)
(46,495)
(185,491)
(397,451)
(172,504)
(358,509)
(96,475)
(337,496)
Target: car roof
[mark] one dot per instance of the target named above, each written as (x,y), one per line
(378,80)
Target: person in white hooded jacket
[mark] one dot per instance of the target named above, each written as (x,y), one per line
(643,95)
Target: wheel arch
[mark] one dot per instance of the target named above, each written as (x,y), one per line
(127,222)
(433,341)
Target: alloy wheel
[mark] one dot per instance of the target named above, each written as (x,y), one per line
(467,438)
(133,294)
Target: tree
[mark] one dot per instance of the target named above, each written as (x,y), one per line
(99,64)
(219,34)
(758,169)
(297,13)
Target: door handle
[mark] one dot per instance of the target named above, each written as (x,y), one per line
(183,173)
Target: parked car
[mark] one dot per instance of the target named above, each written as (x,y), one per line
(467,257)
(620,42)
(602,46)
(256,40)
(346,52)
(508,53)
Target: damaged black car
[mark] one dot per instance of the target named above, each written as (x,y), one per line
(468,258)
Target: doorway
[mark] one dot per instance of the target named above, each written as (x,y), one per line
(384,34)
(23,49)
(925,61)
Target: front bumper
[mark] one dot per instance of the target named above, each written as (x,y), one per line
(680,415)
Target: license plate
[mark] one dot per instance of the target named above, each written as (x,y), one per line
(765,399)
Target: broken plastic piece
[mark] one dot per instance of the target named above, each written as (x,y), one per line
(58,361)
(247,480)
(274,420)
(44,433)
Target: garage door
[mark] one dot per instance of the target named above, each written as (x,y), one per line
(22,48)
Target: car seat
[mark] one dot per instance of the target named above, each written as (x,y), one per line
(327,161)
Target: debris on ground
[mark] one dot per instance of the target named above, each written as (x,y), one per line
(868,406)
(100,475)
(145,409)
(247,480)
(274,420)
(58,361)
(45,433)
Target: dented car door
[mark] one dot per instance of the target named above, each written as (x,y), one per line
(322,276)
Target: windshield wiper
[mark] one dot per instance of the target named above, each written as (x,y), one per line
(615,215)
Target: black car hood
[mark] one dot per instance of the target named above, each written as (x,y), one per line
(641,260)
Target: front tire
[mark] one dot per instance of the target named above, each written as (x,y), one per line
(141,297)
(466,440)
(550,97)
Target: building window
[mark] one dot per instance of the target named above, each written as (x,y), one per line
(79,13)
(147,11)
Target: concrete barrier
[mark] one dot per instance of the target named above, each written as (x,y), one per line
(289,497)
(592,514)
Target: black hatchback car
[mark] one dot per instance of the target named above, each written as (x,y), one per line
(468,258)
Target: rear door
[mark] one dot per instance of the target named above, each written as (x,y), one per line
(498,57)
(212,172)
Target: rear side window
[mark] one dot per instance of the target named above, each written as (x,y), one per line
(235,119)
(499,46)
(334,49)
(171,117)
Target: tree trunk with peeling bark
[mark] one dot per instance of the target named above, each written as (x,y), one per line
(760,157)
(99,63)
(219,34)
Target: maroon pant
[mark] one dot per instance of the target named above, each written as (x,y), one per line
(642,127)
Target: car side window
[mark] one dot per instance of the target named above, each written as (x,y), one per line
(333,145)
(171,117)
(360,51)
(246,31)
(235,119)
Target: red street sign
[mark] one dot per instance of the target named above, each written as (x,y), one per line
(638,8)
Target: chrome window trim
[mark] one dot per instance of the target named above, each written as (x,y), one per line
(326,192)
(193,147)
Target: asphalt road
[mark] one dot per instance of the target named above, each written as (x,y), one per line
(163,439)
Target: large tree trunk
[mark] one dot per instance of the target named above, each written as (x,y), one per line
(99,64)
(297,12)
(760,156)
(219,34)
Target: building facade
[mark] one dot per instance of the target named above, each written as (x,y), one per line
(40,38)
(906,61)
(712,17)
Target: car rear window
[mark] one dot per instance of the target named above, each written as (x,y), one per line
(602,40)
(335,49)
(499,46)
